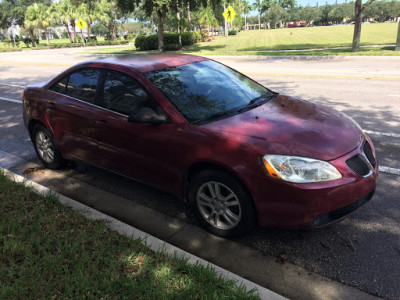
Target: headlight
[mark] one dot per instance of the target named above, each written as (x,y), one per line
(299,169)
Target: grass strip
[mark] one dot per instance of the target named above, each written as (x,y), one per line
(49,251)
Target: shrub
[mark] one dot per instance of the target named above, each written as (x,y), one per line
(129,36)
(139,41)
(232,32)
(189,38)
(171,41)
(147,42)
(27,41)
(172,47)
(204,36)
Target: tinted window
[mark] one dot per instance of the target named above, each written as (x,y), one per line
(60,86)
(124,95)
(201,90)
(82,85)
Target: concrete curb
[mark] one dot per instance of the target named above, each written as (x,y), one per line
(152,242)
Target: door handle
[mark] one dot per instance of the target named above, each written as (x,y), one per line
(101,122)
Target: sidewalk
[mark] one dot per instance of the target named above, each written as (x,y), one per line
(228,257)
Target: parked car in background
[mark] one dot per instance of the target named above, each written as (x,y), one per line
(238,152)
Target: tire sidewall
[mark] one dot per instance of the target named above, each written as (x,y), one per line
(58,160)
(248,218)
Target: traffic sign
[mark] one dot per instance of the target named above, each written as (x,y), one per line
(81,24)
(229,14)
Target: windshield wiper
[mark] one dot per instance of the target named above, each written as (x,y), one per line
(263,97)
(252,103)
(216,115)
(258,101)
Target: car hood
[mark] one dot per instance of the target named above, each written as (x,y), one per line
(292,126)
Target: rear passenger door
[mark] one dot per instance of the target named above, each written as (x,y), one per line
(74,116)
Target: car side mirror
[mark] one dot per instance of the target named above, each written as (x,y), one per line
(147,115)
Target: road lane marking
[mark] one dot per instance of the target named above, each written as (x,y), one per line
(11,100)
(391,134)
(395,95)
(389,170)
(13,85)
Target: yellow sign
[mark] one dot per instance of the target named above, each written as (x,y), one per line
(81,24)
(229,14)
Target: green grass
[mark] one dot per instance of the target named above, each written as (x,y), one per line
(48,251)
(302,38)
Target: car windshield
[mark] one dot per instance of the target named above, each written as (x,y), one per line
(206,91)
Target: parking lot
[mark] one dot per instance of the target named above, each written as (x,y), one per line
(363,251)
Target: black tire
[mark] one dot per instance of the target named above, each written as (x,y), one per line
(221,203)
(46,148)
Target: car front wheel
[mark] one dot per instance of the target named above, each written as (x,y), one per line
(222,204)
(46,147)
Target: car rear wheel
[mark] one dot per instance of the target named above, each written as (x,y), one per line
(222,204)
(46,148)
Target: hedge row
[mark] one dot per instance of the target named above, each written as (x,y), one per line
(171,41)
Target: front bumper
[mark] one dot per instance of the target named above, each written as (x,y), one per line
(314,205)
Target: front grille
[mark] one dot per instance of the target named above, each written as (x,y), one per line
(341,212)
(368,153)
(358,164)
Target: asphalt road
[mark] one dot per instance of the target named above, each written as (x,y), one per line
(363,251)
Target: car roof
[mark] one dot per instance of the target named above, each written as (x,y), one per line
(152,62)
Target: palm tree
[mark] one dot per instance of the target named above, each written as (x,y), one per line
(258,4)
(207,16)
(38,16)
(61,14)
(246,9)
(71,14)
(90,12)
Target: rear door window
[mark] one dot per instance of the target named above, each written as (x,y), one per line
(83,85)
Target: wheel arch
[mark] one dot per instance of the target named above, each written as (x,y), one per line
(198,167)
(31,125)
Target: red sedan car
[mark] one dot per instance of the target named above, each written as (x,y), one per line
(238,152)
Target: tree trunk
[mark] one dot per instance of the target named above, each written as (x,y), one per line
(69,33)
(88,32)
(161,13)
(359,11)
(188,16)
(357,27)
(114,27)
(46,33)
(245,22)
(398,39)
(178,16)
(32,37)
(74,28)
(259,21)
